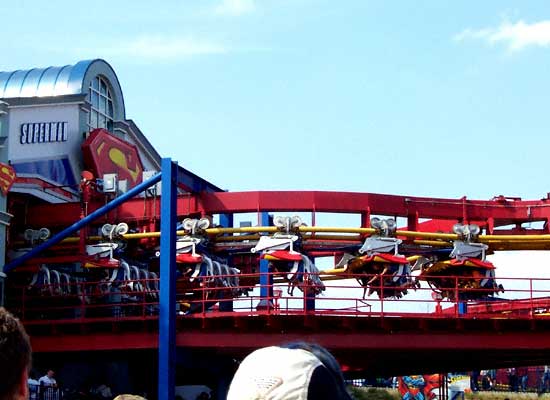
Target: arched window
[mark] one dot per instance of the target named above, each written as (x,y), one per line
(101,100)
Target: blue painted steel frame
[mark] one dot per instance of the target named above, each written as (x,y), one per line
(167,318)
(309,296)
(226,221)
(309,300)
(266,280)
(194,183)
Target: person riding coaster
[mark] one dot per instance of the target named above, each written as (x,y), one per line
(383,270)
(102,254)
(200,273)
(119,278)
(278,249)
(467,273)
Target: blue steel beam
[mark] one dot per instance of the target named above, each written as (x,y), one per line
(266,279)
(167,317)
(309,298)
(309,295)
(194,183)
(82,223)
(226,221)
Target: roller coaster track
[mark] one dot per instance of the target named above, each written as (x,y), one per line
(500,211)
(387,338)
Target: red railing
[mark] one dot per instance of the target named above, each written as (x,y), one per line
(210,297)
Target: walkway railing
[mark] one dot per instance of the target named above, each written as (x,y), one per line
(211,297)
(38,392)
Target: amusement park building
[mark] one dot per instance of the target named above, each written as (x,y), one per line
(51,112)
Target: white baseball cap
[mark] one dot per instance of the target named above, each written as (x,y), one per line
(278,373)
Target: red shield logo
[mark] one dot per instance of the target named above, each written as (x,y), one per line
(104,153)
(7,178)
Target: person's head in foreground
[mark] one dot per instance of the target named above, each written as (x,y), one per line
(129,397)
(15,358)
(298,371)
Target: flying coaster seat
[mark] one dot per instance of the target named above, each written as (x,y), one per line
(203,279)
(381,269)
(466,275)
(102,254)
(293,265)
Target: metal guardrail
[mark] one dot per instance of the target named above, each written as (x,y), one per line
(210,297)
(39,392)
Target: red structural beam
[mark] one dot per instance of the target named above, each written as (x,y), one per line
(391,346)
(381,353)
(495,212)
(429,340)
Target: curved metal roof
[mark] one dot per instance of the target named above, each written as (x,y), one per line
(51,81)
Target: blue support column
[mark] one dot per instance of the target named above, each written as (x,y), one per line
(266,280)
(309,302)
(226,221)
(309,295)
(167,318)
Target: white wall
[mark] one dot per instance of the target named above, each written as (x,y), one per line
(18,152)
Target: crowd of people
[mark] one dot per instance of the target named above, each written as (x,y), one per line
(44,388)
(521,379)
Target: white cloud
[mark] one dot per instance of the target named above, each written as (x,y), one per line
(516,36)
(235,8)
(158,47)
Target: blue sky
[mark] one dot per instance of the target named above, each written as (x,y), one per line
(427,98)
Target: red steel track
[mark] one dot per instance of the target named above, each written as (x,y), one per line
(489,213)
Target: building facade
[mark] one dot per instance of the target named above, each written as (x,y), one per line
(51,112)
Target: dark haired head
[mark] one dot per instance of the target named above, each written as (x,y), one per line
(15,357)
(319,378)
